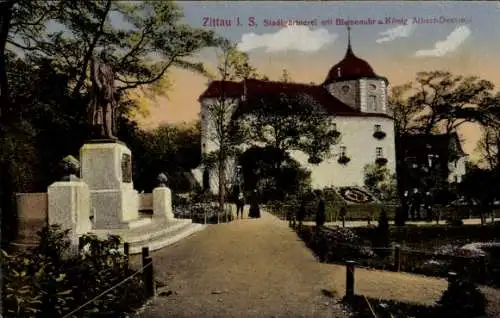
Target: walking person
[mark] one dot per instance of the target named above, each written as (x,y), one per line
(254,211)
(320,213)
(301,213)
(240,204)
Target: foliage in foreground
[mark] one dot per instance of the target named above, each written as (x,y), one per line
(48,282)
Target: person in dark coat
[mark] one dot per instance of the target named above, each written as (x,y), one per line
(254,211)
(240,203)
(301,213)
(320,213)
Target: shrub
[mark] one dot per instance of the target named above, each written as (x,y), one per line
(462,299)
(48,281)
(334,244)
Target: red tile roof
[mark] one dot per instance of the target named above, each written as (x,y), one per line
(259,87)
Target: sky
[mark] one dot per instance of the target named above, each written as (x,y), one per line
(398,40)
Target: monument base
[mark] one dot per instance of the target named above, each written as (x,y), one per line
(114,209)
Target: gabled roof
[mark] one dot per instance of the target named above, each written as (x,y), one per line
(257,88)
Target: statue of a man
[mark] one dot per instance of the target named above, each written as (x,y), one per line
(103,104)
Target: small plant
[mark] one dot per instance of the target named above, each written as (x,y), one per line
(379,135)
(381,161)
(343,160)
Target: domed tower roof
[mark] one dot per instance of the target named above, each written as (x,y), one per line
(351,66)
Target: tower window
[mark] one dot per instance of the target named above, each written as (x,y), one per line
(342,151)
(372,103)
(377,128)
(378,152)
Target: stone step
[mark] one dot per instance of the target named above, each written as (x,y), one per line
(167,238)
(152,233)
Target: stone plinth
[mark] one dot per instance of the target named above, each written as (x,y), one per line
(162,203)
(68,206)
(107,168)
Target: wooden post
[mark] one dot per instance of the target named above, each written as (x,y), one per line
(349,278)
(148,276)
(482,268)
(126,252)
(452,278)
(397,258)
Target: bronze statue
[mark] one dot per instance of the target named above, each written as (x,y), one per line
(103,103)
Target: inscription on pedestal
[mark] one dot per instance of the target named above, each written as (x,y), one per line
(126,168)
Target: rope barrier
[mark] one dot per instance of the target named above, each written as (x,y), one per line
(370,306)
(107,291)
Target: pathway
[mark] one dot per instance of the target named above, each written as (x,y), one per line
(259,268)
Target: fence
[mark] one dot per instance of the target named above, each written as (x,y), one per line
(367,212)
(146,270)
(479,267)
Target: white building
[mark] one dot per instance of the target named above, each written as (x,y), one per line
(353,94)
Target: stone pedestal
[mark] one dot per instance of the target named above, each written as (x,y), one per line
(68,206)
(107,168)
(162,203)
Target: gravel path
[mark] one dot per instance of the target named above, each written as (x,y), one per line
(259,268)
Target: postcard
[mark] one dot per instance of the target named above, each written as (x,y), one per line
(250,158)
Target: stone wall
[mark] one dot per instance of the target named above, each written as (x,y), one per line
(32,211)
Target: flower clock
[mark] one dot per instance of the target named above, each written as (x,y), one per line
(355,195)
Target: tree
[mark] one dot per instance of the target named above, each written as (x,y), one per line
(489,144)
(170,149)
(405,111)
(258,168)
(233,65)
(438,100)
(480,186)
(288,122)
(381,182)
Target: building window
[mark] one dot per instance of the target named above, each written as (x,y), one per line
(342,151)
(378,152)
(377,128)
(334,127)
(455,179)
(372,103)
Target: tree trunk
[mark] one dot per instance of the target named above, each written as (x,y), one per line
(5,17)
(221,184)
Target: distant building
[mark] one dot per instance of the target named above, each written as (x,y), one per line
(418,154)
(352,93)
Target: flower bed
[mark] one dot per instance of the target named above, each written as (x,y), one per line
(337,245)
